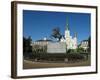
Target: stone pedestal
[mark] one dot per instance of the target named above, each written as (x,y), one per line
(56,47)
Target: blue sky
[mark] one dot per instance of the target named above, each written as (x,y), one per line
(39,24)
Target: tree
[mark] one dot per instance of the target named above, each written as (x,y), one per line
(24,44)
(56,34)
(80,50)
(27,44)
(89,44)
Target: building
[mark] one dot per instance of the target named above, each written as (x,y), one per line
(40,44)
(71,42)
(85,45)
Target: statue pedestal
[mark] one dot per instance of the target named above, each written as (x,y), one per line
(56,47)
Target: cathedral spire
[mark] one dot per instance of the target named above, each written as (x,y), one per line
(67,25)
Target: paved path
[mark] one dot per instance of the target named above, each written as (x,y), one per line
(31,65)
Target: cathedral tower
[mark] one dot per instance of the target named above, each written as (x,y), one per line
(67,31)
(71,43)
(67,36)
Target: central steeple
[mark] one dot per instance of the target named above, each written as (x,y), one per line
(67,25)
(67,31)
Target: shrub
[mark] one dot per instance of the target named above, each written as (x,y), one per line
(75,56)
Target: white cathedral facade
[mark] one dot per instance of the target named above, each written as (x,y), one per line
(71,42)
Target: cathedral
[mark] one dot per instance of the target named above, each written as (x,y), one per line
(71,42)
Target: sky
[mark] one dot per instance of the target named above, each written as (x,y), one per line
(39,24)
